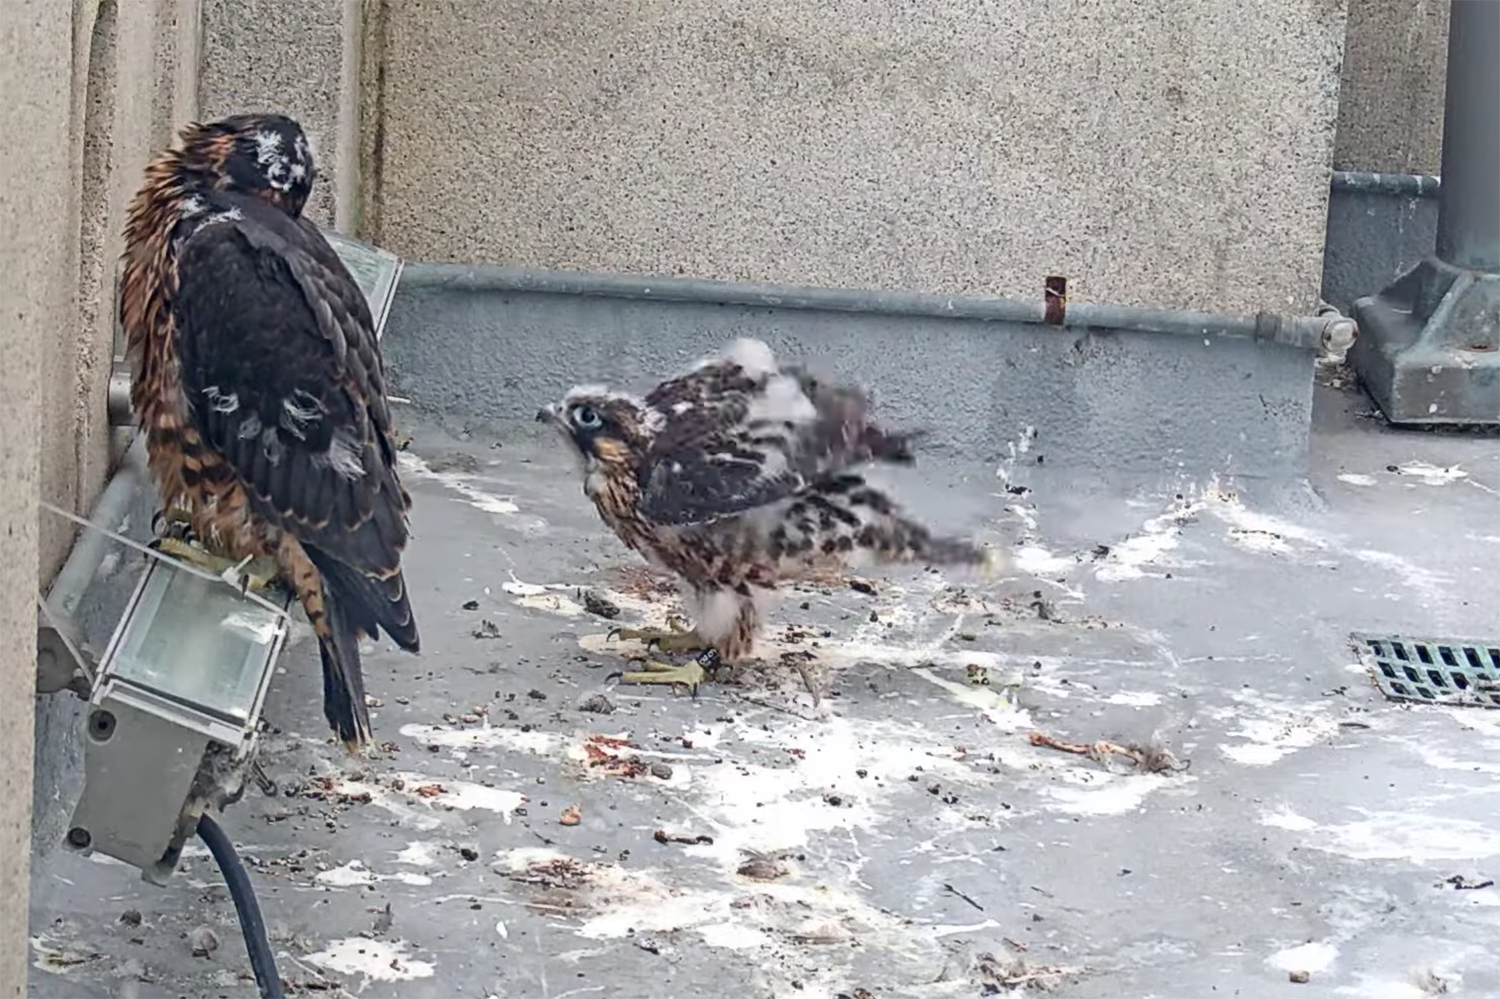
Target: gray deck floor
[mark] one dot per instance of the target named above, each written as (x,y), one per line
(906,827)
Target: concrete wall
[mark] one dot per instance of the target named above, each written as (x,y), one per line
(1391,103)
(298,57)
(1161,152)
(35,302)
(123,95)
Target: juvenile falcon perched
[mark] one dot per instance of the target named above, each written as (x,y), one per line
(735,476)
(259,384)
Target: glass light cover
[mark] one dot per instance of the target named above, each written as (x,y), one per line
(373,269)
(196,641)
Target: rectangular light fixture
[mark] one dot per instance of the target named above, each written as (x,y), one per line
(173,718)
(375,270)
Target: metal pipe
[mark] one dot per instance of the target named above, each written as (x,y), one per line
(88,552)
(1468,233)
(1409,185)
(1341,333)
(1307,332)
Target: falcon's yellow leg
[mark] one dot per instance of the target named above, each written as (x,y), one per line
(248,574)
(677,637)
(690,675)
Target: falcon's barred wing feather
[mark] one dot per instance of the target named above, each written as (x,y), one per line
(735,436)
(280,362)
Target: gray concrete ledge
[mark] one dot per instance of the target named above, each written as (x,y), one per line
(1380,225)
(1296,331)
(1130,390)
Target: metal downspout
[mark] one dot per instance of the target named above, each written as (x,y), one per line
(1468,233)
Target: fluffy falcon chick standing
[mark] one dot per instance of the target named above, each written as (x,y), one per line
(259,384)
(734,476)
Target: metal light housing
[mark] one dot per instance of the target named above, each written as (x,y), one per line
(176,699)
(174,713)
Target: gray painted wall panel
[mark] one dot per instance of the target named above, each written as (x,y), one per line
(1132,402)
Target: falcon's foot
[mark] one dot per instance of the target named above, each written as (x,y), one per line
(246,574)
(676,637)
(690,675)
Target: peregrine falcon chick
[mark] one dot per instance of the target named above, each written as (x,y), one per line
(259,385)
(734,476)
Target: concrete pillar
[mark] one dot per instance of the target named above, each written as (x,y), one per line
(37,248)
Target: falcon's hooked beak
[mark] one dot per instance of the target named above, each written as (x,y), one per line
(550,414)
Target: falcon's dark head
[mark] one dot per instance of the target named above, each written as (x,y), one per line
(609,431)
(266,156)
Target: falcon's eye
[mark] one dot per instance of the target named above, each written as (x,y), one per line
(586,417)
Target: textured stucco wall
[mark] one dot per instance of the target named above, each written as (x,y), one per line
(128,79)
(36,300)
(92,87)
(1160,152)
(1391,103)
(297,57)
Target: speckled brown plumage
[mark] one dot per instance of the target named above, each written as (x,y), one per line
(259,384)
(740,474)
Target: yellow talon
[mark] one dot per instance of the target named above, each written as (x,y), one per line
(250,573)
(690,675)
(678,639)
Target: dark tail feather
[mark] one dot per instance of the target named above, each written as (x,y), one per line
(355,606)
(369,603)
(343,680)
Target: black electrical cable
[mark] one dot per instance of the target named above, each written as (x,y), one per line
(257,943)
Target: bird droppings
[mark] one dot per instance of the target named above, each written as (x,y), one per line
(419,802)
(1143,554)
(413,466)
(55,957)
(884,845)
(1312,957)
(1135,698)
(1427,473)
(1393,836)
(376,960)
(418,853)
(555,603)
(787,927)
(482,735)
(1272,731)
(1036,561)
(356,875)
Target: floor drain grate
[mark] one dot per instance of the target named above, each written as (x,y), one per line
(1433,670)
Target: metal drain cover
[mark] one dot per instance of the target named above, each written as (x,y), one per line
(1433,670)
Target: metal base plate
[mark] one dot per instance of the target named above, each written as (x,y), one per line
(1429,346)
(1433,670)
